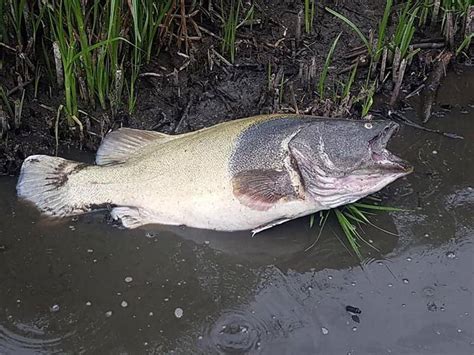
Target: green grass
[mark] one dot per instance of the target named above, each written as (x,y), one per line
(353,26)
(309,11)
(231,21)
(327,63)
(230,29)
(97,46)
(350,219)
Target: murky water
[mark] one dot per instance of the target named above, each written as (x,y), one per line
(85,286)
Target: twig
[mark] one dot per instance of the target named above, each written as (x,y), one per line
(218,55)
(293,99)
(432,84)
(209,33)
(429,45)
(183,116)
(400,118)
(398,83)
(415,92)
(19,87)
(7,47)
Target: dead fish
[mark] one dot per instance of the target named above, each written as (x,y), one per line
(246,174)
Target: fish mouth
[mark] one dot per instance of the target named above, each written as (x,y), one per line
(383,159)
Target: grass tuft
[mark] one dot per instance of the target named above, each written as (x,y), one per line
(350,217)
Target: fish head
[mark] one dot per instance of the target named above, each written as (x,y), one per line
(341,161)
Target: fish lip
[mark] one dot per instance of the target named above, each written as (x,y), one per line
(385,160)
(394,164)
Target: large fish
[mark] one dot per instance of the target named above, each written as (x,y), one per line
(247,174)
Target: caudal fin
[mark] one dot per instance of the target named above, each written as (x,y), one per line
(44,182)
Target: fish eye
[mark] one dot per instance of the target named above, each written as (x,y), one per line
(368,125)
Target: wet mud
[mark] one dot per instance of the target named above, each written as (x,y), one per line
(86,286)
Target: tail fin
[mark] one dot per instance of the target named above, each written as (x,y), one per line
(44,181)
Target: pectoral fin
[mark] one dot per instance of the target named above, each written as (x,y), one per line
(118,146)
(261,189)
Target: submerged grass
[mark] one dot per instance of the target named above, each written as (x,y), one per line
(350,219)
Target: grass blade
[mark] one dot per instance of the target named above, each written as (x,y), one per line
(353,26)
(322,78)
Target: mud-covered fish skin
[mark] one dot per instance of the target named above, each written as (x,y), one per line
(239,175)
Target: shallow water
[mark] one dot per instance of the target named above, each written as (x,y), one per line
(85,286)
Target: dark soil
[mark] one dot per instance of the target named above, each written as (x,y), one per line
(208,90)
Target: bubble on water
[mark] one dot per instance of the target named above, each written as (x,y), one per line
(124,304)
(207,242)
(353,283)
(325,331)
(409,259)
(108,314)
(128,279)
(200,337)
(90,250)
(88,303)
(406,281)
(166,299)
(403,305)
(437,332)
(145,343)
(435,152)
(459,330)
(390,285)
(450,255)
(426,235)
(72,228)
(330,277)
(54,308)
(18,301)
(178,312)
(428,291)
(150,314)
(354,329)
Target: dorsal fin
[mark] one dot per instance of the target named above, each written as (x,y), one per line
(119,145)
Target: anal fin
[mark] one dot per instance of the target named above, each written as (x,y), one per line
(131,217)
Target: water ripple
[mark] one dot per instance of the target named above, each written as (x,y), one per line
(22,337)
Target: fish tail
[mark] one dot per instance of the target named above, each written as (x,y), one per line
(44,182)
